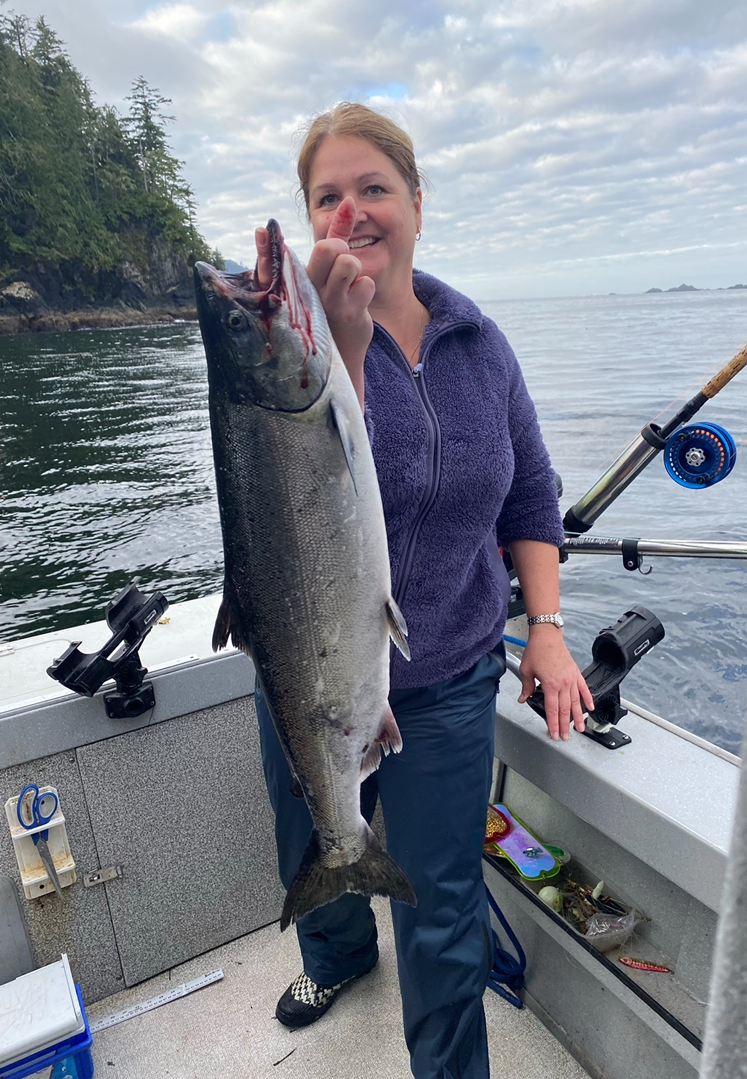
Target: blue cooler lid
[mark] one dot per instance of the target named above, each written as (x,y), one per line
(38,1010)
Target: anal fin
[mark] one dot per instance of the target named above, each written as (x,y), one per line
(397,627)
(387,741)
(230,622)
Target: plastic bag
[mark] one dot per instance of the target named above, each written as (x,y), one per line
(608,931)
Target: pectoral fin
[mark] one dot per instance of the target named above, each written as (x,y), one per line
(397,628)
(340,422)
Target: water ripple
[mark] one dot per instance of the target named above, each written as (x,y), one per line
(107,477)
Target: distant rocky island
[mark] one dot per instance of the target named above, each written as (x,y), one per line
(692,288)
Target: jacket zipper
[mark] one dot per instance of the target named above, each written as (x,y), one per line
(433,451)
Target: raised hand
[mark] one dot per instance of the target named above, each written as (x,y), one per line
(344,291)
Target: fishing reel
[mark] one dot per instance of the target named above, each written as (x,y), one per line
(700,455)
(130,616)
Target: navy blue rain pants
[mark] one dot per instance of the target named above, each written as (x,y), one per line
(434,797)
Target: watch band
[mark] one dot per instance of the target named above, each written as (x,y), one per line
(553,619)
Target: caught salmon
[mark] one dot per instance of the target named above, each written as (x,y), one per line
(307,590)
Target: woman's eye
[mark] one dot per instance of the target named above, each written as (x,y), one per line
(326,201)
(374,189)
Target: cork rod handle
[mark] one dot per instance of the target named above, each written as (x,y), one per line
(726,374)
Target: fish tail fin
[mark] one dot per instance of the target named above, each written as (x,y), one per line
(375,873)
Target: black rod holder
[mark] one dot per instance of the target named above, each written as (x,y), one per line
(130,616)
(615,652)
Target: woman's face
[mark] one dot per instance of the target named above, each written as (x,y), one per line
(387,214)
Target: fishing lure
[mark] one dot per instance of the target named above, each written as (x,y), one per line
(642,964)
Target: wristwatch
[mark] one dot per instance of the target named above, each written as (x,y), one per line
(554,619)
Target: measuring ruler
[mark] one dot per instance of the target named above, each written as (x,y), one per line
(156,1002)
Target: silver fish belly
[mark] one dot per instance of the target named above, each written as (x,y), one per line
(307,589)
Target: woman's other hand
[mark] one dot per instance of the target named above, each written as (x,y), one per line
(344,291)
(547,660)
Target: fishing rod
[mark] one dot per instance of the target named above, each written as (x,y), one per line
(697,457)
(633,550)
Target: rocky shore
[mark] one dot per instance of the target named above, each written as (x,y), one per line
(103,318)
(27,309)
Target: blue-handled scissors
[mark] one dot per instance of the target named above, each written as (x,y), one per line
(43,807)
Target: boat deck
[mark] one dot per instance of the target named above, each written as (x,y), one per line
(229,1028)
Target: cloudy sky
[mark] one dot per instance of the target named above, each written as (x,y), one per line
(573,146)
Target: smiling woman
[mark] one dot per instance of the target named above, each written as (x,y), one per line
(462,468)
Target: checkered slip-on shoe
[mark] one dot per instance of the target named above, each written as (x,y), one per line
(303,1002)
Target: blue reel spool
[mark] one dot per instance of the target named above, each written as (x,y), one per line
(700,455)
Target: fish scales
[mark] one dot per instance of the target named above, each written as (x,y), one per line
(321,639)
(307,588)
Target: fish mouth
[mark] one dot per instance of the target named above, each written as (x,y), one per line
(269,329)
(244,288)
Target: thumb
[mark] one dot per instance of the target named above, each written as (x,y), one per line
(264,257)
(343,220)
(528,686)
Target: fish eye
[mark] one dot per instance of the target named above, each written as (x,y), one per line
(236,320)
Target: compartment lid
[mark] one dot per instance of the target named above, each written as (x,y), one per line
(38,1010)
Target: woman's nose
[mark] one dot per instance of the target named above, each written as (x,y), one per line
(360,214)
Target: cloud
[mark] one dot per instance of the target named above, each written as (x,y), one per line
(572,145)
(181,22)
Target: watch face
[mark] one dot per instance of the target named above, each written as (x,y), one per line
(559,620)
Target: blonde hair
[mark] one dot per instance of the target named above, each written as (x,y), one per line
(352,120)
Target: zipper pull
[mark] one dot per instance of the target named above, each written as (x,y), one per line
(417,369)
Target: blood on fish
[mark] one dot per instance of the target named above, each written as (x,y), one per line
(304,328)
(300,322)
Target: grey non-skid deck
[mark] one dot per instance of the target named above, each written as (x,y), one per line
(228,1029)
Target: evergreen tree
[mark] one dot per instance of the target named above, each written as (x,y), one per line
(82,188)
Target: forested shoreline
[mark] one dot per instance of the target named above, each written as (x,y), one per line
(97,221)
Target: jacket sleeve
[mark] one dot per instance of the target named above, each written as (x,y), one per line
(530,509)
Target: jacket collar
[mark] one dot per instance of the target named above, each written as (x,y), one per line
(445,304)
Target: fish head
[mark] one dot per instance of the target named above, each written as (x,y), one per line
(269,347)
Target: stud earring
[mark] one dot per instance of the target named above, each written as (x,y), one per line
(418,235)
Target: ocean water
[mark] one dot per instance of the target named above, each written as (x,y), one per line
(107,477)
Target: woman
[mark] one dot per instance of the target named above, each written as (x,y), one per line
(462,468)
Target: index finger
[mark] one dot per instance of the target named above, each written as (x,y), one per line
(323,257)
(343,220)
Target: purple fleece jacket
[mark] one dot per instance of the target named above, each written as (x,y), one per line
(462,467)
